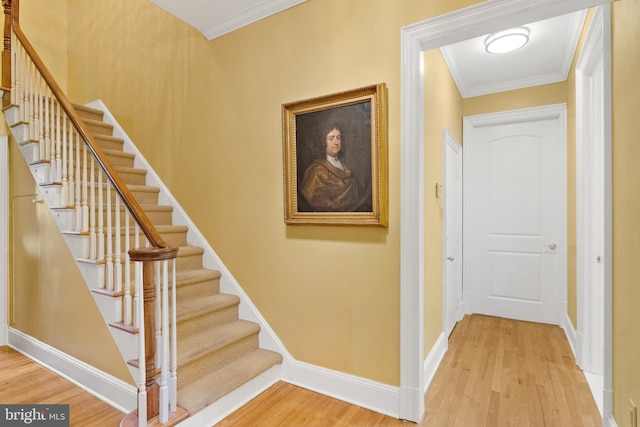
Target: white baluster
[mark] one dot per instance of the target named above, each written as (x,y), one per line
(71,171)
(137,296)
(174,342)
(128,315)
(64,148)
(109,248)
(80,215)
(118,249)
(142,363)
(91,208)
(58,167)
(100,209)
(164,356)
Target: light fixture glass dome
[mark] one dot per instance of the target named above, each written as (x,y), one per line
(507,40)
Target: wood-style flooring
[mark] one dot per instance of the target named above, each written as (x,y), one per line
(497,373)
(23,381)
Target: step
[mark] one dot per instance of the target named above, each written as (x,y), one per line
(212,349)
(189,258)
(196,315)
(108,142)
(88,112)
(192,283)
(98,127)
(213,385)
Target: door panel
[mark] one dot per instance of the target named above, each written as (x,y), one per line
(515,214)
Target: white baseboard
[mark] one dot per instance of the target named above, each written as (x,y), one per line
(610,422)
(570,333)
(434,358)
(105,387)
(358,391)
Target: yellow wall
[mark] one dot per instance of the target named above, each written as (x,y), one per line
(626,206)
(443,108)
(207,117)
(206,114)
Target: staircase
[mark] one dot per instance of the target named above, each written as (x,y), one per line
(216,352)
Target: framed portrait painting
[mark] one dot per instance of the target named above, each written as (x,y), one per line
(335,158)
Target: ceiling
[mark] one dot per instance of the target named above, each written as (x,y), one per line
(545,59)
(214,18)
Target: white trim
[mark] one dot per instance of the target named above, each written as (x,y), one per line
(434,358)
(252,14)
(592,303)
(448,140)
(4,237)
(105,387)
(570,333)
(358,391)
(434,33)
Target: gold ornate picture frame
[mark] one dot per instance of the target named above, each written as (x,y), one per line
(335,158)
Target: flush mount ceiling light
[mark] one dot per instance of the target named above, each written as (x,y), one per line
(507,40)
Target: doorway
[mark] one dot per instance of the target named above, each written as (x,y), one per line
(483,18)
(515,213)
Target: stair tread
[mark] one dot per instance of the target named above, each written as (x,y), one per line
(214,385)
(190,250)
(194,346)
(188,277)
(194,307)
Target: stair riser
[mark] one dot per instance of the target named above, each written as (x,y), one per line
(109,144)
(31,152)
(193,290)
(190,262)
(100,128)
(216,359)
(89,114)
(209,321)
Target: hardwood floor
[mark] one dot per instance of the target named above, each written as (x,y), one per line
(497,373)
(24,381)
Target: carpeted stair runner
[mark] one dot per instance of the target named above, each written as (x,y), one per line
(217,352)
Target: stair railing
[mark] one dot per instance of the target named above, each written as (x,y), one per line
(66,158)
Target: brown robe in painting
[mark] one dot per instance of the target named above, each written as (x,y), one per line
(331,189)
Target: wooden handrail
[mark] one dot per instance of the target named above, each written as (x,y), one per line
(129,200)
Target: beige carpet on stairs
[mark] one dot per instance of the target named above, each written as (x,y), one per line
(217,351)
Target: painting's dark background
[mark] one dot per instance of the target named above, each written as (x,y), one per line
(355,122)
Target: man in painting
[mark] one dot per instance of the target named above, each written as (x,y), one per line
(328,184)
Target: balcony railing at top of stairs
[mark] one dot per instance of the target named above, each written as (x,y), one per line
(103,208)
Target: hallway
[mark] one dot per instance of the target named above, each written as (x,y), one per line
(497,372)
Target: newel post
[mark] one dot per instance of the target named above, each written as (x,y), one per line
(148,257)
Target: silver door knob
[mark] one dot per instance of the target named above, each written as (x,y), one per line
(450,258)
(552,246)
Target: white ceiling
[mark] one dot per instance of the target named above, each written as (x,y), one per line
(545,59)
(214,18)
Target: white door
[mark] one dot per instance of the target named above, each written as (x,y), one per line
(514,213)
(452,202)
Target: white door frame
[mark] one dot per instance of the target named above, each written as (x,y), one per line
(547,112)
(449,141)
(474,21)
(589,162)
(4,237)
